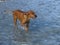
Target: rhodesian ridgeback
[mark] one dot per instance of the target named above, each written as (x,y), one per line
(23,17)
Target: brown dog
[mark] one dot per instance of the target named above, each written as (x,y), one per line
(23,17)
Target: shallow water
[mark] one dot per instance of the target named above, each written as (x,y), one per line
(44,30)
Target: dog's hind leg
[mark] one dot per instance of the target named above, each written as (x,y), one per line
(15,21)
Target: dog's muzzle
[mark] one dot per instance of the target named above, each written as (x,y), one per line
(35,17)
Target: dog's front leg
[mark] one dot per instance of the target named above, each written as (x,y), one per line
(26,27)
(23,22)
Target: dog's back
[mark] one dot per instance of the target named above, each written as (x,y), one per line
(18,14)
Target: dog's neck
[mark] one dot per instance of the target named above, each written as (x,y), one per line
(26,16)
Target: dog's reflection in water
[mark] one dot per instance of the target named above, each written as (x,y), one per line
(20,36)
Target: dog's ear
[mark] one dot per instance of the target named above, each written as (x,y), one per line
(30,11)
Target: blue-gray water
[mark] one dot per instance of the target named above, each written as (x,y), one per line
(44,30)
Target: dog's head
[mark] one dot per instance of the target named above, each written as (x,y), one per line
(32,14)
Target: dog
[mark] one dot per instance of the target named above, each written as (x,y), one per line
(23,17)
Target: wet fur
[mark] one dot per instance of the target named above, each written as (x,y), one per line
(23,17)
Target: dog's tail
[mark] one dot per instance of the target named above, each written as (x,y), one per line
(7,11)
